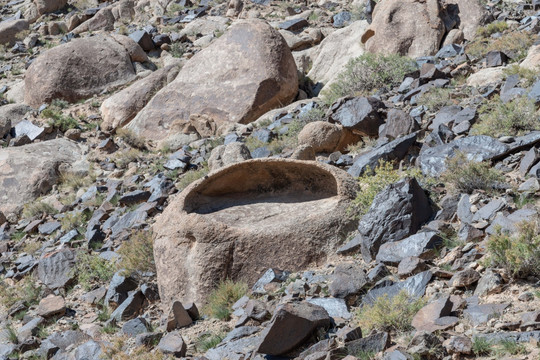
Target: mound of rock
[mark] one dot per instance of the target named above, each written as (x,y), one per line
(30,171)
(77,70)
(247,217)
(242,75)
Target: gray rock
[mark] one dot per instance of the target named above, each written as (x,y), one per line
(135,327)
(411,265)
(348,279)
(370,344)
(398,123)
(464,212)
(510,222)
(392,151)
(396,213)
(62,340)
(490,283)
(271,275)
(290,326)
(173,344)
(422,245)
(49,227)
(360,114)
(89,350)
(336,308)
(142,38)
(241,332)
(294,24)
(531,157)
(119,287)
(519,337)
(56,270)
(178,317)
(148,339)
(25,127)
(134,197)
(415,286)
(29,329)
(464,278)
(129,308)
(481,314)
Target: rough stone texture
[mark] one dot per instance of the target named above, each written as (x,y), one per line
(10,29)
(532,61)
(486,76)
(55,270)
(398,123)
(51,306)
(254,73)
(103,20)
(362,115)
(425,319)
(173,344)
(415,286)
(471,14)
(178,317)
(290,326)
(77,70)
(30,171)
(464,278)
(248,217)
(335,51)
(406,27)
(229,154)
(348,279)
(397,212)
(422,245)
(321,136)
(121,108)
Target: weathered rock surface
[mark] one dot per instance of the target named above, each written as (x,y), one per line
(30,171)
(406,27)
(55,270)
(248,217)
(255,73)
(10,30)
(77,70)
(422,245)
(224,155)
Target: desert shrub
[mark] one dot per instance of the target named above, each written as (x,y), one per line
(465,176)
(389,314)
(72,182)
(492,28)
(31,247)
(515,44)
(137,253)
(25,290)
(177,50)
(513,118)
(510,347)
(437,98)
(123,158)
(37,208)
(374,181)
(528,75)
(191,176)
(208,341)
(56,117)
(92,268)
(369,72)
(518,253)
(75,220)
(481,346)
(223,297)
(132,139)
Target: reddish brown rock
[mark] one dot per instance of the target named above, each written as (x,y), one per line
(52,306)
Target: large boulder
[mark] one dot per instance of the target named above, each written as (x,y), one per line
(407,27)
(121,108)
(239,77)
(469,15)
(10,30)
(247,217)
(42,7)
(335,51)
(30,171)
(77,70)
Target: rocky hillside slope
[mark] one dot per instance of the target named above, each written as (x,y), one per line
(265,179)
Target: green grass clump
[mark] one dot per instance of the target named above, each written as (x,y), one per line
(490,29)
(367,73)
(517,253)
(515,44)
(510,347)
(223,297)
(91,268)
(481,346)
(191,176)
(529,75)
(56,117)
(437,98)
(37,208)
(75,220)
(25,290)
(465,176)
(137,253)
(387,314)
(514,118)
(208,341)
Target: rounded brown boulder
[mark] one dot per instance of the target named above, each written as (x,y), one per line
(77,70)
(247,217)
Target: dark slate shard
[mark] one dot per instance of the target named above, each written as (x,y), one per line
(481,314)
(488,211)
(291,325)
(422,245)
(445,116)
(64,339)
(271,275)
(89,350)
(161,39)
(241,332)
(49,227)
(56,270)
(392,151)
(348,279)
(130,220)
(134,197)
(174,164)
(130,308)
(432,160)
(496,58)
(341,19)
(236,349)
(449,51)
(528,161)
(150,292)
(135,327)
(142,38)
(294,24)
(119,288)
(510,223)
(522,143)
(415,286)
(263,135)
(360,114)
(399,123)
(396,212)
(519,337)
(172,344)
(262,152)
(351,247)
(371,344)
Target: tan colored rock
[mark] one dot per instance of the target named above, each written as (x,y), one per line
(240,76)
(244,218)
(42,7)
(303,152)
(30,171)
(135,51)
(486,76)
(336,50)
(532,61)
(103,20)
(224,155)
(406,27)
(10,30)
(77,70)
(454,36)
(51,306)
(119,109)
(472,14)
(321,136)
